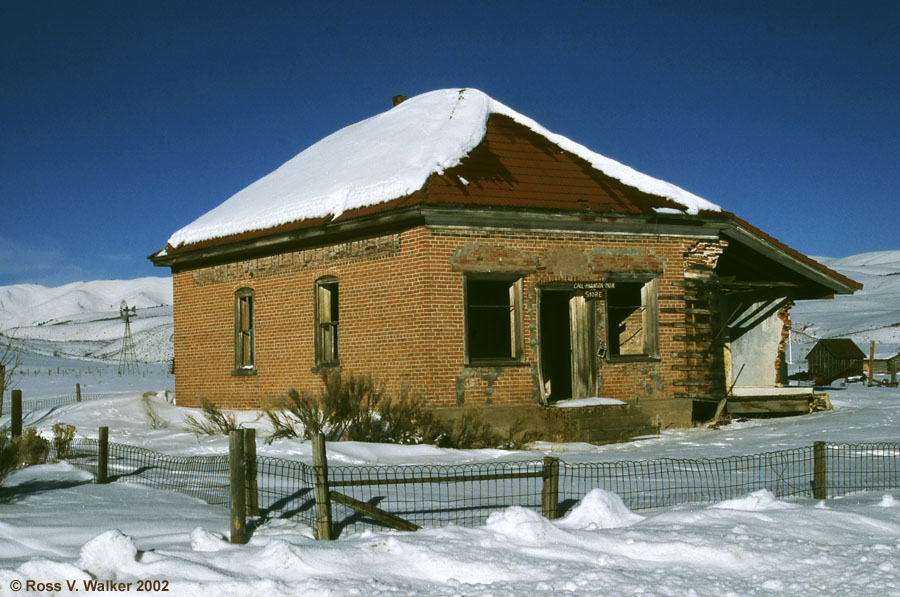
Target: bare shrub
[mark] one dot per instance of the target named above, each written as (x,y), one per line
(9,364)
(25,450)
(518,437)
(407,420)
(9,455)
(63,437)
(214,422)
(344,409)
(356,408)
(150,413)
(469,432)
(33,449)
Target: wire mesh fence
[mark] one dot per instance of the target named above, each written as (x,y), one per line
(647,484)
(202,477)
(52,402)
(466,494)
(860,467)
(436,495)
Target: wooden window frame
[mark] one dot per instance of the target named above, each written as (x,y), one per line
(516,327)
(649,320)
(244,332)
(327,325)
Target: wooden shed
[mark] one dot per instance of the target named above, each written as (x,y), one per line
(885,365)
(833,358)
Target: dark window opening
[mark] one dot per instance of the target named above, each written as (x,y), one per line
(493,328)
(631,319)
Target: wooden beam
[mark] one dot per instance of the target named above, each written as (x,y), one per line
(386,518)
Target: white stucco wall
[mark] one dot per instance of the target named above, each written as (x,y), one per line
(756,351)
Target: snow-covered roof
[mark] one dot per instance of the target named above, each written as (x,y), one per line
(388,156)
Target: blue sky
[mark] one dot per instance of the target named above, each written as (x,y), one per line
(122,121)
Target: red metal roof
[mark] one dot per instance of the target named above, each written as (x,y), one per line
(514,167)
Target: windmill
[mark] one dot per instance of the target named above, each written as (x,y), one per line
(127,358)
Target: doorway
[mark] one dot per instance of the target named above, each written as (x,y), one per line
(566,356)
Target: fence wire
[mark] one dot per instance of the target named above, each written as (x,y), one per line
(436,495)
(861,467)
(30,405)
(466,494)
(647,484)
(203,477)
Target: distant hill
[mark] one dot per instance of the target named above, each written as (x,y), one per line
(81,319)
(872,313)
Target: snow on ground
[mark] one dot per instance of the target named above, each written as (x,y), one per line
(56,526)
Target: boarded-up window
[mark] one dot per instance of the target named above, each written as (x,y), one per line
(327,317)
(244,354)
(632,329)
(493,320)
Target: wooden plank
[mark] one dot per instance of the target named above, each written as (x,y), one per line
(720,408)
(447,479)
(692,355)
(694,338)
(783,405)
(673,297)
(686,311)
(698,397)
(690,325)
(386,518)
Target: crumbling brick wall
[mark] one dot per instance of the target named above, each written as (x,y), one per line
(402,314)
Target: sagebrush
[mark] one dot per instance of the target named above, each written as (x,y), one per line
(354,407)
(25,450)
(214,421)
(63,438)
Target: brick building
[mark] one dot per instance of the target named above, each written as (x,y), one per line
(455,247)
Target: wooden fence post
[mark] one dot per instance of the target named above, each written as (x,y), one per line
(78,392)
(15,426)
(250,458)
(238,486)
(324,529)
(820,471)
(871,361)
(550,490)
(103,456)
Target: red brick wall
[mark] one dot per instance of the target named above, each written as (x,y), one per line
(401,314)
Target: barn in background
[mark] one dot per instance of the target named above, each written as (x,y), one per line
(833,358)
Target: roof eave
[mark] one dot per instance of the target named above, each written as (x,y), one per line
(784,255)
(452,216)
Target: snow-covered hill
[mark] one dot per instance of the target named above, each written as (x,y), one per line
(82,319)
(872,313)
